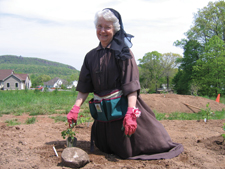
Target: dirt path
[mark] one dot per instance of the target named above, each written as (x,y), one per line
(30,146)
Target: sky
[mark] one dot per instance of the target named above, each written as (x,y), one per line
(64,31)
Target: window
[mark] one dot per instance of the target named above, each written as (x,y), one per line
(8,84)
(16,85)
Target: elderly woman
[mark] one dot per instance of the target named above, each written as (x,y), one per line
(124,125)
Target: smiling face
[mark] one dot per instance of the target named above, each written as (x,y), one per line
(105,31)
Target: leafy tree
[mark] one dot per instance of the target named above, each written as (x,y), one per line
(179,81)
(151,69)
(33,80)
(39,80)
(195,86)
(169,62)
(209,70)
(143,77)
(208,22)
(203,52)
(192,51)
(156,68)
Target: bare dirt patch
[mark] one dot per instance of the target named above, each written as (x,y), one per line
(169,103)
(31,146)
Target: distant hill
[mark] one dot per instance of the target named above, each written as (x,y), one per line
(36,66)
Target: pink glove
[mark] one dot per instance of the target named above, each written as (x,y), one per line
(72,115)
(129,121)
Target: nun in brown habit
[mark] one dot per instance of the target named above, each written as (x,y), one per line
(124,125)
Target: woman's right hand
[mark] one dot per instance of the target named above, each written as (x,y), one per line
(72,115)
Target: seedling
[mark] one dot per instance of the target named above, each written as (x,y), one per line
(165,92)
(69,133)
(207,112)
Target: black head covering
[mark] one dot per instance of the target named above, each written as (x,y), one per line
(121,40)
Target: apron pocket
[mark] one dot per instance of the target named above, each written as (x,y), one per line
(97,110)
(108,109)
(116,107)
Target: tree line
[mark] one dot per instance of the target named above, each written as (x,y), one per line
(201,70)
(156,69)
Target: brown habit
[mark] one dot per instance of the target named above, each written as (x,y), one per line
(102,74)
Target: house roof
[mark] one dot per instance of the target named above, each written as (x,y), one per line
(65,82)
(21,76)
(4,73)
(52,81)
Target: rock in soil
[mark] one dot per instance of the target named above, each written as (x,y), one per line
(74,157)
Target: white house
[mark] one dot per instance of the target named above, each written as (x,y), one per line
(74,83)
(55,83)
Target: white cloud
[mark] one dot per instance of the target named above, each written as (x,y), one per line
(63,30)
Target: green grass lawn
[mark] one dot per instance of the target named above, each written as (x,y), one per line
(34,103)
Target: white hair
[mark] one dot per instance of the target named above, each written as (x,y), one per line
(109,16)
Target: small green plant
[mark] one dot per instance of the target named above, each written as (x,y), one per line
(223,135)
(207,112)
(69,133)
(164,92)
(30,120)
(12,122)
(224,126)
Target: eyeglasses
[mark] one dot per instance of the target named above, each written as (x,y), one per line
(99,27)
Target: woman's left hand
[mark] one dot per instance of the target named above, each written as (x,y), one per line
(129,121)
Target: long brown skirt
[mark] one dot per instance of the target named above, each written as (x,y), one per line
(150,141)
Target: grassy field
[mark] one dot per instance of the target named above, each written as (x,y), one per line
(36,103)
